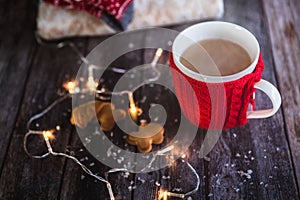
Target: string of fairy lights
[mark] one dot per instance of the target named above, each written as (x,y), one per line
(134,111)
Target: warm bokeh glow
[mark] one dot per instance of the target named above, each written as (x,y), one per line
(70,86)
(134,111)
(91,84)
(162,195)
(48,134)
(158,52)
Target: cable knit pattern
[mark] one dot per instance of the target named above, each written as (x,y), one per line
(115,8)
(231,106)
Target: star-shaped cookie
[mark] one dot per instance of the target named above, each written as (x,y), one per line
(147,135)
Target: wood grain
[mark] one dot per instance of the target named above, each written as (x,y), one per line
(16,53)
(257,161)
(285,38)
(23,177)
(148,184)
(248,162)
(176,177)
(81,186)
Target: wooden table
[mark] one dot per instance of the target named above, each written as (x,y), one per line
(31,75)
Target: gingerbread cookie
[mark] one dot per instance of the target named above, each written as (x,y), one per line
(147,135)
(105,112)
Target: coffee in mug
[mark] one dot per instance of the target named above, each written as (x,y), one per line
(228,57)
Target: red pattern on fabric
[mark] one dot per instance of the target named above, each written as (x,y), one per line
(115,8)
(238,94)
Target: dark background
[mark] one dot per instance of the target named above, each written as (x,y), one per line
(31,74)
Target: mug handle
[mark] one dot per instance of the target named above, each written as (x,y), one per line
(272,92)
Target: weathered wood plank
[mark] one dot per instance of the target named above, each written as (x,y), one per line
(23,177)
(177,177)
(182,179)
(250,162)
(148,183)
(82,187)
(285,38)
(17,48)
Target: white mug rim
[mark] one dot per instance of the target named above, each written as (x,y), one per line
(216,79)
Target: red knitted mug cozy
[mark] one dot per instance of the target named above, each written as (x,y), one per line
(238,94)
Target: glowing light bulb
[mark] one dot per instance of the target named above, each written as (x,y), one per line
(134,111)
(92,84)
(158,52)
(48,134)
(162,195)
(70,86)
